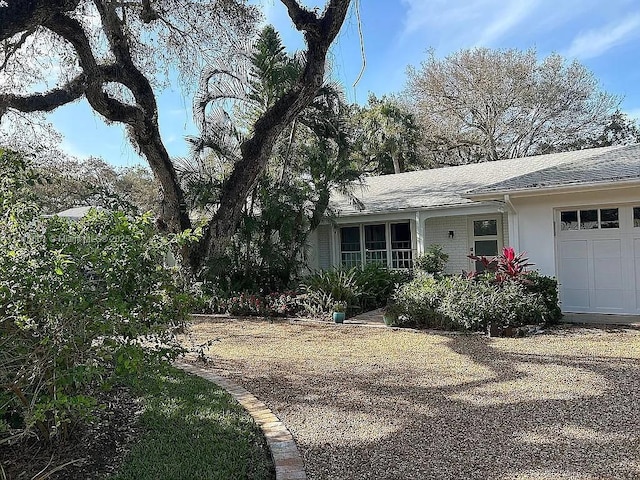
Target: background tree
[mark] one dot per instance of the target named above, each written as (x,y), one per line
(481,104)
(387,136)
(619,129)
(114,53)
(69,182)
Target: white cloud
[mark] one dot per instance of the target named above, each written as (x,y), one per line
(481,22)
(597,41)
(510,16)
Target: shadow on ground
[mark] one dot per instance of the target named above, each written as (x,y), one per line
(462,407)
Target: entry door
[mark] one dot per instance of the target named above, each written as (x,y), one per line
(485,238)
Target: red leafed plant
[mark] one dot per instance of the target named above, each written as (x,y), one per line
(507,265)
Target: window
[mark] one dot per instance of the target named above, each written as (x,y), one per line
(401,254)
(386,244)
(588,219)
(375,243)
(636,217)
(483,228)
(609,218)
(569,220)
(591,219)
(350,246)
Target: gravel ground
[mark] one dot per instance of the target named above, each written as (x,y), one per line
(373,403)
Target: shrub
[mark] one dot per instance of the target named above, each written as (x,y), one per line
(472,305)
(418,301)
(433,261)
(547,289)
(376,284)
(460,302)
(77,299)
(324,288)
(362,289)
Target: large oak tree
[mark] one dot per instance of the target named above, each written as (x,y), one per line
(111,52)
(481,104)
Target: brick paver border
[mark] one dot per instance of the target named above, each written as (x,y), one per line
(284,452)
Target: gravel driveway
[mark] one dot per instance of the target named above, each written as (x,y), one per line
(375,403)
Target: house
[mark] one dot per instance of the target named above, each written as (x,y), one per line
(576,214)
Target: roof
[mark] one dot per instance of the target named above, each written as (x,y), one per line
(617,165)
(76,213)
(451,186)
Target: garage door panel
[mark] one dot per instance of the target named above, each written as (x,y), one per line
(608,273)
(609,248)
(574,249)
(599,269)
(575,273)
(574,298)
(610,299)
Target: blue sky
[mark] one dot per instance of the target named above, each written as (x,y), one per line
(603,36)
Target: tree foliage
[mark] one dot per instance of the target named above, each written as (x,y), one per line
(291,196)
(70,182)
(481,104)
(115,53)
(387,136)
(81,304)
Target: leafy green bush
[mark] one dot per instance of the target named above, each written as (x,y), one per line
(376,284)
(433,261)
(473,305)
(323,289)
(363,289)
(77,299)
(547,289)
(418,301)
(464,303)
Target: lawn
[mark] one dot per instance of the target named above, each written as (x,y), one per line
(163,425)
(388,404)
(194,430)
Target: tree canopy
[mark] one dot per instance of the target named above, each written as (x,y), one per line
(113,54)
(481,104)
(387,136)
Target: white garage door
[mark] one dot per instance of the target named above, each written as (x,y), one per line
(598,251)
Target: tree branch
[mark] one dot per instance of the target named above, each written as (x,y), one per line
(47,101)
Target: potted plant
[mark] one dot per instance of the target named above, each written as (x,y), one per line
(391,313)
(339,309)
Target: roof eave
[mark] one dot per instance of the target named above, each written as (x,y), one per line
(554,189)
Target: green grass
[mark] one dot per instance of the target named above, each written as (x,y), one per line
(194,430)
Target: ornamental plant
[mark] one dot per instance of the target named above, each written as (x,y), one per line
(507,265)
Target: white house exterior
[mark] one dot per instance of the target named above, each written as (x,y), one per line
(576,214)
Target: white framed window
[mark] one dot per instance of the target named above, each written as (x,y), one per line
(387,244)
(590,219)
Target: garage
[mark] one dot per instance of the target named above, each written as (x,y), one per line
(598,259)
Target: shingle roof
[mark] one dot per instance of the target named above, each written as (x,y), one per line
(609,166)
(76,213)
(449,186)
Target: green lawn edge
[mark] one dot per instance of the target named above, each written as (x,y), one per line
(193,430)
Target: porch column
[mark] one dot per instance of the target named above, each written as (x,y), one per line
(420,236)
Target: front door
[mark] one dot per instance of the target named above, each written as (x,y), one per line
(485,238)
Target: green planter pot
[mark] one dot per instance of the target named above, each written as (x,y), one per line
(390,320)
(338,317)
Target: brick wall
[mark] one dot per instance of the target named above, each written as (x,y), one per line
(437,231)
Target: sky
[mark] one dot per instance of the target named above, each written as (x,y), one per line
(605,37)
